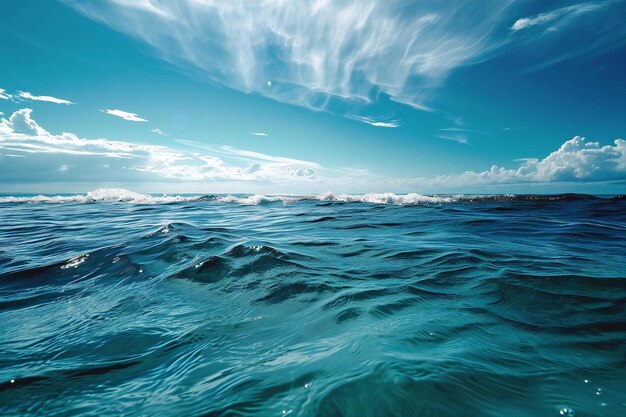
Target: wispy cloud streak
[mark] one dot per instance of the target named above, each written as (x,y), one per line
(564,14)
(28,96)
(375,122)
(309,53)
(131,117)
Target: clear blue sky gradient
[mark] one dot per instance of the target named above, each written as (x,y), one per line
(513,80)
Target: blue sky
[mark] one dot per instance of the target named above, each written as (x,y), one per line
(280,96)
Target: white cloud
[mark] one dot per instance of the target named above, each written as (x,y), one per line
(103,159)
(313,51)
(564,14)
(21,132)
(258,134)
(132,117)
(258,156)
(460,138)
(159,132)
(375,122)
(21,122)
(576,160)
(28,96)
(30,153)
(4,95)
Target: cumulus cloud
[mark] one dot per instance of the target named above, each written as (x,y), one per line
(313,51)
(28,152)
(159,132)
(575,161)
(131,117)
(4,95)
(21,122)
(46,155)
(28,96)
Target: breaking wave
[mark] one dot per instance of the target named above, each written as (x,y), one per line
(118,195)
(102,195)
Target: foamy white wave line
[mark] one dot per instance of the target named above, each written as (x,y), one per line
(260,199)
(104,195)
(375,198)
(118,195)
(388,198)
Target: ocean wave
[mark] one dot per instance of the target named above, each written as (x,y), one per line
(119,195)
(313,308)
(101,195)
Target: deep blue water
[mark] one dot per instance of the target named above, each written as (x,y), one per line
(399,306)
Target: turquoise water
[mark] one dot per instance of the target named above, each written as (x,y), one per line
(377,305)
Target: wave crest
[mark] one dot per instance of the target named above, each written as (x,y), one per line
(101,195)
(120,195)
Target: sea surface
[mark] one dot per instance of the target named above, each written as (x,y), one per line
(121,304)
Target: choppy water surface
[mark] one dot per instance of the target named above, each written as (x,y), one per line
(376,305)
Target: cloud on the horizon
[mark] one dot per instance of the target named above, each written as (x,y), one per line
(131,117)
(258,134)
(575,161)
(28,96)
(29,153)
(43,154)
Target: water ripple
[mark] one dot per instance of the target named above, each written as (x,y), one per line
(330,305)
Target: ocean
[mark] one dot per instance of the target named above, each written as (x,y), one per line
(121,304)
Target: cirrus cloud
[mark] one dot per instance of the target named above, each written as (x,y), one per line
(313,52)
(563,14)
(375,122)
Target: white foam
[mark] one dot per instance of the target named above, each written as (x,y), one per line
(119,195)
(389,198)
(381,198)
(105,195)
(258,199)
